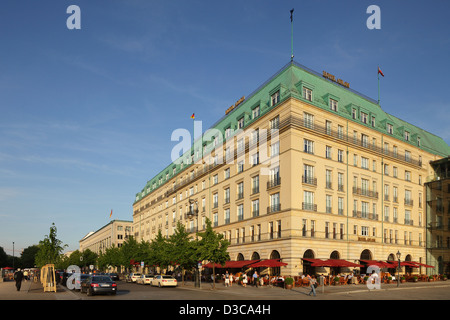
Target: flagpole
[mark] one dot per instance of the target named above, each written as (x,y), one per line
(292,35)
(378,75)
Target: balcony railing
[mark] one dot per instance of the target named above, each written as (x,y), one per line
(309,180)
(273,182)
(274,208)
(309,206)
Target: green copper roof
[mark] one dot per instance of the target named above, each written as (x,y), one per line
(289,81)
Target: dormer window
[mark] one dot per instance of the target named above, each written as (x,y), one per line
(241,123)
(364,117)
(390,128)
(406,135)
(275,98)
(307,94)
(333,105)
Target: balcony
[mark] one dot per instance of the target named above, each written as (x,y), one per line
(409,202)
(273,182)
(274,208)
(309,206)
(365,192)
(309,180)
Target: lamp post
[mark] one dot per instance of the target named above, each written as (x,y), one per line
(193,212)
(398,268)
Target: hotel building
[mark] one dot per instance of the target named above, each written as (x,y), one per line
(317,170)
(110,235)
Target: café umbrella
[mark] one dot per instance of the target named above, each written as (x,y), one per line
(268,263)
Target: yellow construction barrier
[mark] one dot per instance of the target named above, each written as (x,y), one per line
(48,278)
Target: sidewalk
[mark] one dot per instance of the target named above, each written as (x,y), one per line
(32,291)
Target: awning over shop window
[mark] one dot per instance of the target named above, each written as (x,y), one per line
(268,263)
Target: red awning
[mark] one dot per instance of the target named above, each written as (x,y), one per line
(312,260)
(380,264)
(231,264)
(422,264)
(269,263)
(335,263)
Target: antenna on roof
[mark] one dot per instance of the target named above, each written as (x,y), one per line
(292,34)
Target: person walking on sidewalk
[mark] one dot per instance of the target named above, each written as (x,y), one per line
(18,277)
(312,284)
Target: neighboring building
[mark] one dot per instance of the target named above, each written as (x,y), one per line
(110,235)
(438,216)
(337,178)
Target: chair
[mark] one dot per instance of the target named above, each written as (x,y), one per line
(305,283)
(342,281)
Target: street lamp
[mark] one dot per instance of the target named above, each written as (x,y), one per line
(193,212)
(398,273)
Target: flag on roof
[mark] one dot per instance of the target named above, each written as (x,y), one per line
(193,116)
(380,72)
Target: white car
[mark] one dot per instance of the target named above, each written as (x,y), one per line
(134,276)
(144,279)
(164,281)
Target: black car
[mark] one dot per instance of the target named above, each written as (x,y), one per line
(114,276)
(98,284)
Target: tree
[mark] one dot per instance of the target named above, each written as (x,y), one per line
(28,256)
(128,252)
(182,249)
(111,257)
(213,247)
(159,252)
(50,249)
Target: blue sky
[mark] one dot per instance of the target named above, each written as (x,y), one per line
(86,115)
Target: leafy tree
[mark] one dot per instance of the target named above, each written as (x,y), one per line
(28,256)
(128,252)
(50,249)
(182,249)
(3,258)
(111,257)
(159,252)
(212,247)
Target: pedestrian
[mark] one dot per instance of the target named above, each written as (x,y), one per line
(255,279)
(18,276)
(244,280)
(227,279)
(312,284)
(231,279)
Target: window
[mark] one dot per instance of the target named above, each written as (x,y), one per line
(340,132)
(216,179)
(240,189)
(255,112)
(226,173)
(407,175)
(215,200)
(365,231)
(364,163)
(240,166)
(255,184)
(364,117)
(240,212)
(275,98)
(307,94)
(227,216)
(406,135)
(255,159)
(308,201)
(328,127)
(341,155)
(373,122)
(241,123)
(340,181)
(308,120)
(308,174)
(328,179)
(333,105)
(340,206)
(255,208)
(329,203)
(328,152)
(275,149)
(354,114)
(390,128)
(275,123)
(308,146)
(226,195)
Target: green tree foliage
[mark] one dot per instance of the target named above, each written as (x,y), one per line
(183,249)
(50,249)
(213,247)
(28,256)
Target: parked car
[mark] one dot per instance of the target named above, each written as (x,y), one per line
(144,279)
(98,284)
(113,276)
(164,281)
(132,277)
